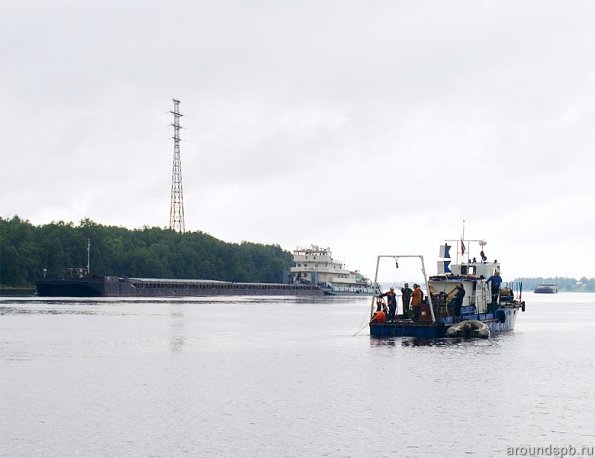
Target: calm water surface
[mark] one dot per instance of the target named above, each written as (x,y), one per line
(285,377)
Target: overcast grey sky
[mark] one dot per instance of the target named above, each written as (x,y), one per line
(367,126)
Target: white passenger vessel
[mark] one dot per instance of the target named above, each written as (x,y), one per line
(316,266)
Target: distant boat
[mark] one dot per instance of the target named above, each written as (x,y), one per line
(316,266)
(546,288)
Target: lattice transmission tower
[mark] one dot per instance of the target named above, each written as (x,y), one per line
(176,209)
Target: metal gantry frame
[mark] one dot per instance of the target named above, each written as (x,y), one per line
(176,209)
(423,270)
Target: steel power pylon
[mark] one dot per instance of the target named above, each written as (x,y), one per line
(176,209)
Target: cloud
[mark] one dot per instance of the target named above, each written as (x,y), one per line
(363,127)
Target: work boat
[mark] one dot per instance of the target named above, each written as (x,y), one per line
(458,301)
(316,266)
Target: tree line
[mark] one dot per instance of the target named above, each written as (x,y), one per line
(150,252)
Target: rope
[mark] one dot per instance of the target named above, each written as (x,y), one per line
(362,327)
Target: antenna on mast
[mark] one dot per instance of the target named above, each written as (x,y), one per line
(88,256)
(463,248)
(176,209)
(463,236)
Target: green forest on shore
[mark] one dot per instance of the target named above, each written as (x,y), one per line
(151,252)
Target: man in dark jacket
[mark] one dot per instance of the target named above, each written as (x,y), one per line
(495,282)
(392,303)
(406,295)
(457,300)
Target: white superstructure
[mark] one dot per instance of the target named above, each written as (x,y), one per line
(315,266)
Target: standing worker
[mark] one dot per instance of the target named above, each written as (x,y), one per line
(392,303)
(416,299)
(406,294)
(495,282)
(457,300)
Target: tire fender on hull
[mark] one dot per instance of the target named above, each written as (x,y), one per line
(469,329)
(501,316)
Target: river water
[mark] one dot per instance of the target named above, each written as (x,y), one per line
(279,377)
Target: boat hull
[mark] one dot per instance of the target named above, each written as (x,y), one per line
(545,291)
(70,287)
(546,288)
(502,320)
(134,287)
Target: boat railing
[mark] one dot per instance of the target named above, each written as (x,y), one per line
(427,297)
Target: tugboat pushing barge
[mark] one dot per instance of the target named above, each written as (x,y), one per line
(484,309)
(316,266)
(81,282)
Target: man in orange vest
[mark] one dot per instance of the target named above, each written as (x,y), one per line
(379,317)
(416,299)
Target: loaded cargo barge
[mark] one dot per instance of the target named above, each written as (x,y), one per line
(110,286)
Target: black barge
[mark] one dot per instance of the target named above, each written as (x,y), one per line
(111,286)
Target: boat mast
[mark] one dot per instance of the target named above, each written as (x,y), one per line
(481,242)
(463,242)
(88,256)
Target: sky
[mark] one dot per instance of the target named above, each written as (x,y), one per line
(371,127)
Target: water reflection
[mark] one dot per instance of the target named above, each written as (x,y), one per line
(177,327)
(44,311)
(415,341)
(425,342)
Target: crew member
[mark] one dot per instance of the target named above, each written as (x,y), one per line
(457,300)
(392,303)
(416,299)
(379,317)
(406,295)
(495,282)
